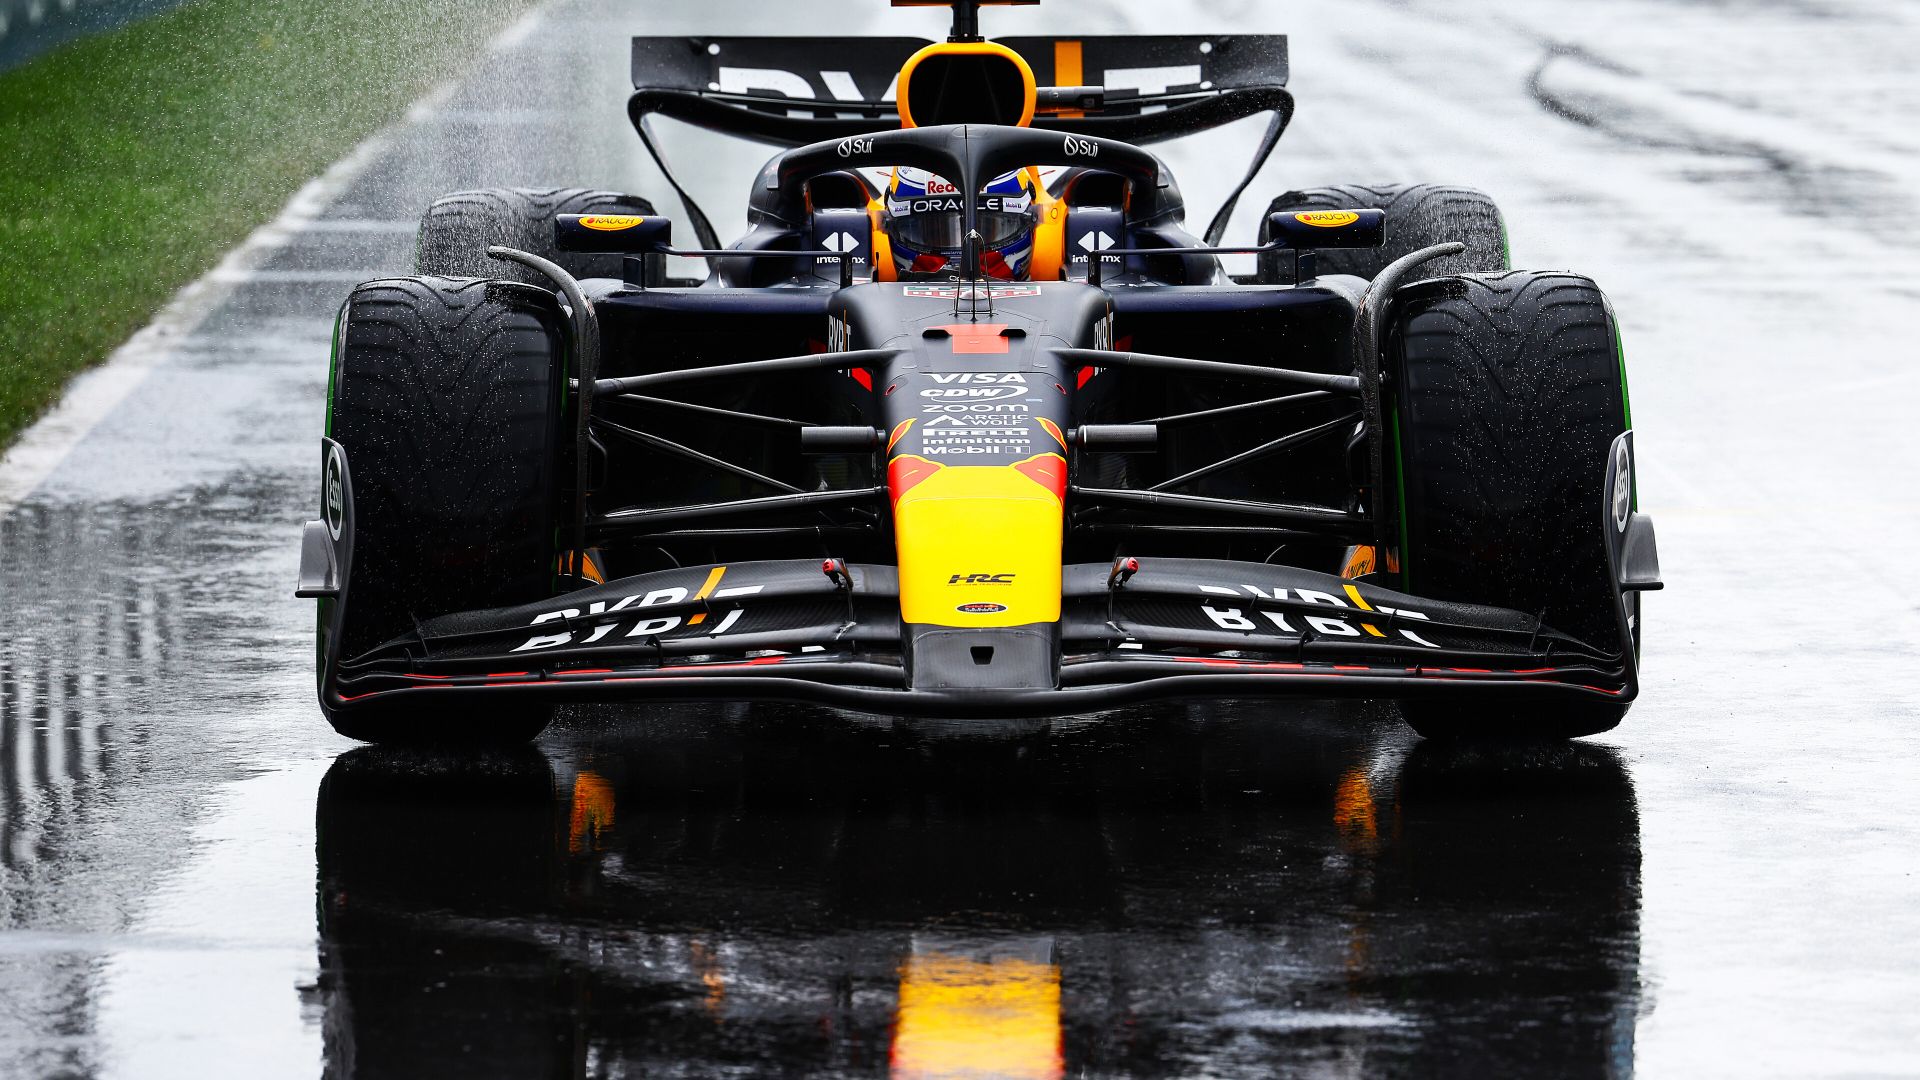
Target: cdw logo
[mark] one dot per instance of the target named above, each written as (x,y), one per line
(975,393)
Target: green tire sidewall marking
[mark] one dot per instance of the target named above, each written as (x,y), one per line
(1626,399)
(333,363)
(323,609)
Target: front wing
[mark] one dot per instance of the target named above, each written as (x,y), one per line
(798,631)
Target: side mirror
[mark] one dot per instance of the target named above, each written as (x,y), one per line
(612,234)
(1310,229)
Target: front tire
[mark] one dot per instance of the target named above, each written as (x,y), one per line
(1508,391)
(446,398)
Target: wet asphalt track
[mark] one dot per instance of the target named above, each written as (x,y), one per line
(1723,886)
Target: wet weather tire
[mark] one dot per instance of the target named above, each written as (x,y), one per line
(1507,392)
(447,399)
(1418,216)
(458,229)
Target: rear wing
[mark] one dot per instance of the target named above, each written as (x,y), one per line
(793,91)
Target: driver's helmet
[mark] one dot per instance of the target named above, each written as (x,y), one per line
(924,223)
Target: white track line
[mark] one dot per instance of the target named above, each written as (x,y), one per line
(97,392)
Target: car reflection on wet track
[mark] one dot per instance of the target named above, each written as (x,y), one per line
(1154,895)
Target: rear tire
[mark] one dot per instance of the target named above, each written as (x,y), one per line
(1508,392)
(458,229)
(446,397)
(1418,216)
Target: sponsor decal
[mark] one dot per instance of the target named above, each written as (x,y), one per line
(1011,424)
(992,441)
(974,393)
(1360,561)
(1004,407)
(631,616)
(855,147)
(964,447)
(969,292)
(1098,241)
(974,435)
(951,204)
(334,491)
(954,204)
(1343,621)
(780,82)
(1622,488)
(1156,80)
(995,377)
(981,579)
(1327,219)
(610,222)
(981,609)
(1078,147)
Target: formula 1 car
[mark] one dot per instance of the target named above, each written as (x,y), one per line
(1383,465)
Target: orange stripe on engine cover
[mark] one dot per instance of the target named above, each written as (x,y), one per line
(977,338)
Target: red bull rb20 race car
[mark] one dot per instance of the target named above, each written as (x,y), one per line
(970,425)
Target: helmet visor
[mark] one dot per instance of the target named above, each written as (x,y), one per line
(942,232)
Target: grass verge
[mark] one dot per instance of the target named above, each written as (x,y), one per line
(129,163)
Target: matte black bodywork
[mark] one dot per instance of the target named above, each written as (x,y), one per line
(741,432)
